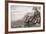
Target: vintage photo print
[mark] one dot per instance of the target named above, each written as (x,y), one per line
(23,17)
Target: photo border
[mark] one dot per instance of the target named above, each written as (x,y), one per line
(6,16)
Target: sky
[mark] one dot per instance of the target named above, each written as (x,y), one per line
(18,12)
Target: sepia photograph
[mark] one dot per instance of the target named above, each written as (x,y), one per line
(25,16)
